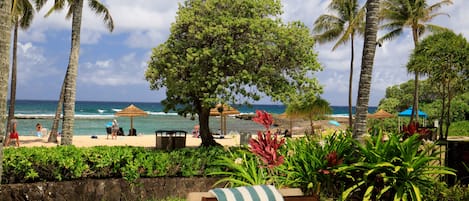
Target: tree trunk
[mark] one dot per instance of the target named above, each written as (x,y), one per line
(369,48)
(5,40)
(415,104)
(11,109)
(55,125)
(350,81)
(448,116)
(71,75)
(205,135)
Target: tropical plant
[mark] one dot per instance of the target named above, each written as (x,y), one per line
(342,27)
(313,110)
(415,14)
(75,8)
(241,168)
(227,54)
(22,13)
(5,36)
(394,169)
(443,57)
(310,163)
(368,55)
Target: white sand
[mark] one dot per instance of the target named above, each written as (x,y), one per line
(141,141)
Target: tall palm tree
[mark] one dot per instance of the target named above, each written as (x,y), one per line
(414,14)
(5,36)
(369,49)
(22,12)
(342,27)
(75,9)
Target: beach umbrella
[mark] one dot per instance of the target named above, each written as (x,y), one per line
(223,111)
(380,114)
(131,111)
(334,122)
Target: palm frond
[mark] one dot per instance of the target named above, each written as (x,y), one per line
(99,8)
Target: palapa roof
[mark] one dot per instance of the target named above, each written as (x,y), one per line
(131,111)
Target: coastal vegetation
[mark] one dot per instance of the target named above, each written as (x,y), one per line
(232,52)
(68,92)
(333,167)
(343,27)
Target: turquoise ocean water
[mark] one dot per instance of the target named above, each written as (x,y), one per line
(91,117)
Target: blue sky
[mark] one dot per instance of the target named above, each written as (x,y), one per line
(112,65)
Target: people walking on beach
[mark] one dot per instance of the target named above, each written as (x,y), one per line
(114,129)
(13,134)
(38,130)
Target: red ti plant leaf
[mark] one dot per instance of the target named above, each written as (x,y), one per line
(332,160)
(266,147)
(263,118)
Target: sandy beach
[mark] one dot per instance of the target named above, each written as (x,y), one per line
(141,141)
(149,140)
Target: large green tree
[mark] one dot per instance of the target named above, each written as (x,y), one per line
(444,58)
(226,51)
(368,56)
(22,13)
(5,36)
(413,14)
(343,27)
(75,9)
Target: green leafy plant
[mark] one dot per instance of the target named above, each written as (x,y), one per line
(310,163)
(392,169)
(241,168)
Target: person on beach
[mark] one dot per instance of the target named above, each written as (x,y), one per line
(13,134)
(114,129)
(38,130)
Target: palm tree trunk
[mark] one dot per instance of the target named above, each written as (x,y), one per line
(350,81)
(369,48)
(11,109)
(71,75)
(55,125)
(5,36)
(415,104)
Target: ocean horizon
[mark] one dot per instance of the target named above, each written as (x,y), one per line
(91,117)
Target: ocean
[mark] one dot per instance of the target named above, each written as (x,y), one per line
(91,117)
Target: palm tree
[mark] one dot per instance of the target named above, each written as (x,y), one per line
(75,9)
(22,12)
(5,36)
(369,49)
(342,28)
(415,14)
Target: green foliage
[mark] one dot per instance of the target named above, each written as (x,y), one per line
(69,162)
(240,168)
(306,165)
(403,170)
(460,128)
(230,51)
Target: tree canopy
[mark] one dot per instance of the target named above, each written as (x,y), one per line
(222,51)
(443,57)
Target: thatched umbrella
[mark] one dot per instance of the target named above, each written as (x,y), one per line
(131,111)
(381,114)
(222,111)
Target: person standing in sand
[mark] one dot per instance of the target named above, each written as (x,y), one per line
(13,134)
(38,130)
(114,129)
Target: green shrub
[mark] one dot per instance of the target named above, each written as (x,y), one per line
(403,170)
(32,164)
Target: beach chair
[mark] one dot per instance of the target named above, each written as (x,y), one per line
(287,194)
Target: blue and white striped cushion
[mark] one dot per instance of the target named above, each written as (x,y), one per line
(248,193)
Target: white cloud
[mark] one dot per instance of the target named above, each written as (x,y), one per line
(143,24)
(126,70)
